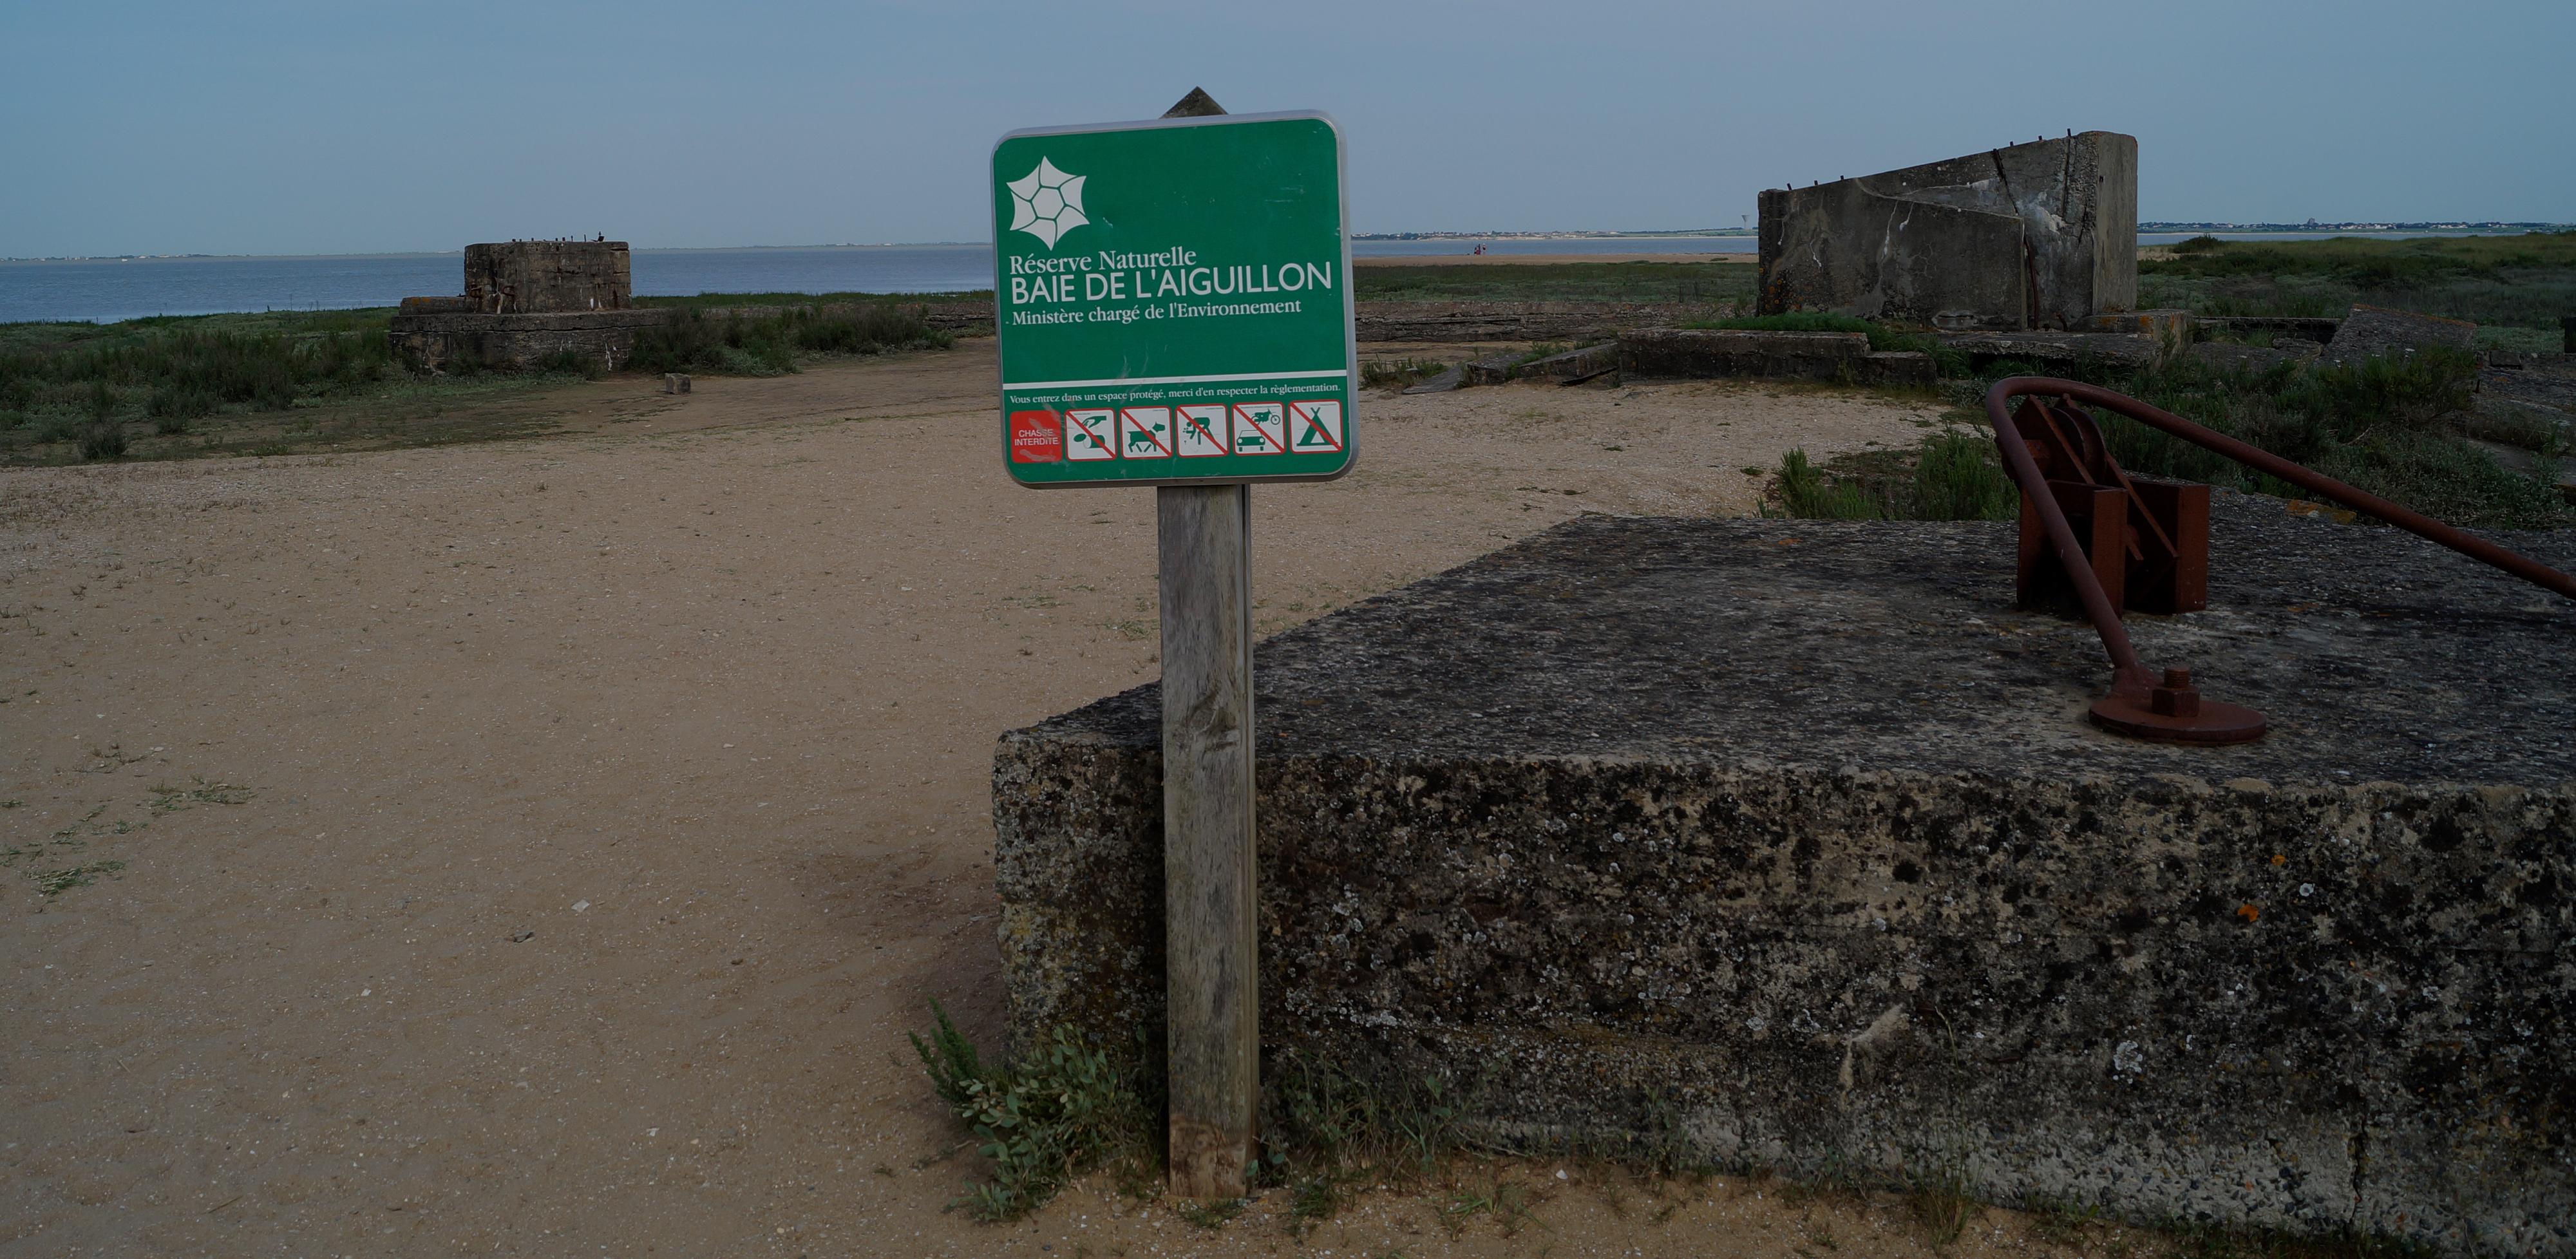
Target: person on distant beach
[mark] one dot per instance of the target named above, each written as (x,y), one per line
(1480,251)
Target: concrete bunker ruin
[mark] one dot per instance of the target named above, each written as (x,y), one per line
(1785,842)
(527,301)
(2033,236)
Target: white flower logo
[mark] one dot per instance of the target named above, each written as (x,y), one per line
(1047,203)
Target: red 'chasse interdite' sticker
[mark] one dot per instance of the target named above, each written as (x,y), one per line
(1036,437)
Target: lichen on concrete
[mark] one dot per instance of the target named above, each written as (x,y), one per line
(1786,842)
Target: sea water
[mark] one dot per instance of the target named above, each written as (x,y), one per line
(111,288)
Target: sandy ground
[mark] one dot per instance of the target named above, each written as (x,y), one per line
(541,847)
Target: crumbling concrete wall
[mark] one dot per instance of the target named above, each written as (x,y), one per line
(435,339)
(526,301)
(538,276)
(1784,844)
(2038,235)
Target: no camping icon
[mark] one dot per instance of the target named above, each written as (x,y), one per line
(1260,428)
(1315,427)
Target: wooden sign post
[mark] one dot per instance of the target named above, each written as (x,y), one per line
(1212,984)
(1174,307)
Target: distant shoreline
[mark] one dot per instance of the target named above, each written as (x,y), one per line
(2154,228)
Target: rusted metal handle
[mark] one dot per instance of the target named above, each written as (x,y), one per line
(2137,704)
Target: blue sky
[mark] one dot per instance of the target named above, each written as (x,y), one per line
(323,128)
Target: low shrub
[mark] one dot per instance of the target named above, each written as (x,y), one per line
(1806,493)
(172,408)
(102,440)
(1959,476)
(573,363)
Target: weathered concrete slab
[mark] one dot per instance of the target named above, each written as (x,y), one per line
(1787,842)
(1447,381)
(2373,331)
(2123,350)
(1491,369)
(1575,364)
(2230,355)
(1715,353)
(2317,330)
(2039,235)
(1700,353)
(2173,326)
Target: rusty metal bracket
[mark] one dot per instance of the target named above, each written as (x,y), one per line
(2065,458)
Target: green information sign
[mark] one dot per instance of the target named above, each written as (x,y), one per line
(1174,302)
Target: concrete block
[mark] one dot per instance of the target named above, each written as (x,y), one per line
(1908,368)
(675,382)
(1786,842)
(2376,331)
(2038,235)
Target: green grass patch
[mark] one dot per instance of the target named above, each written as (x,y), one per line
(723,301)
(1722,284)
(2389,426)
(771,345)
(185,386)
(1397,373)
(1952,475)
(2523,282)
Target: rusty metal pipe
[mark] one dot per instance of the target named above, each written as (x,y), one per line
(2175,711)
(2126,672)
(2264,461)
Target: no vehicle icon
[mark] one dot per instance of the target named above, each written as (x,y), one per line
(1260,428)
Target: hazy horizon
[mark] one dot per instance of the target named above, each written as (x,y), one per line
(275,130)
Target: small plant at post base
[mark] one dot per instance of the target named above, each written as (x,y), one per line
(1042,1121)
